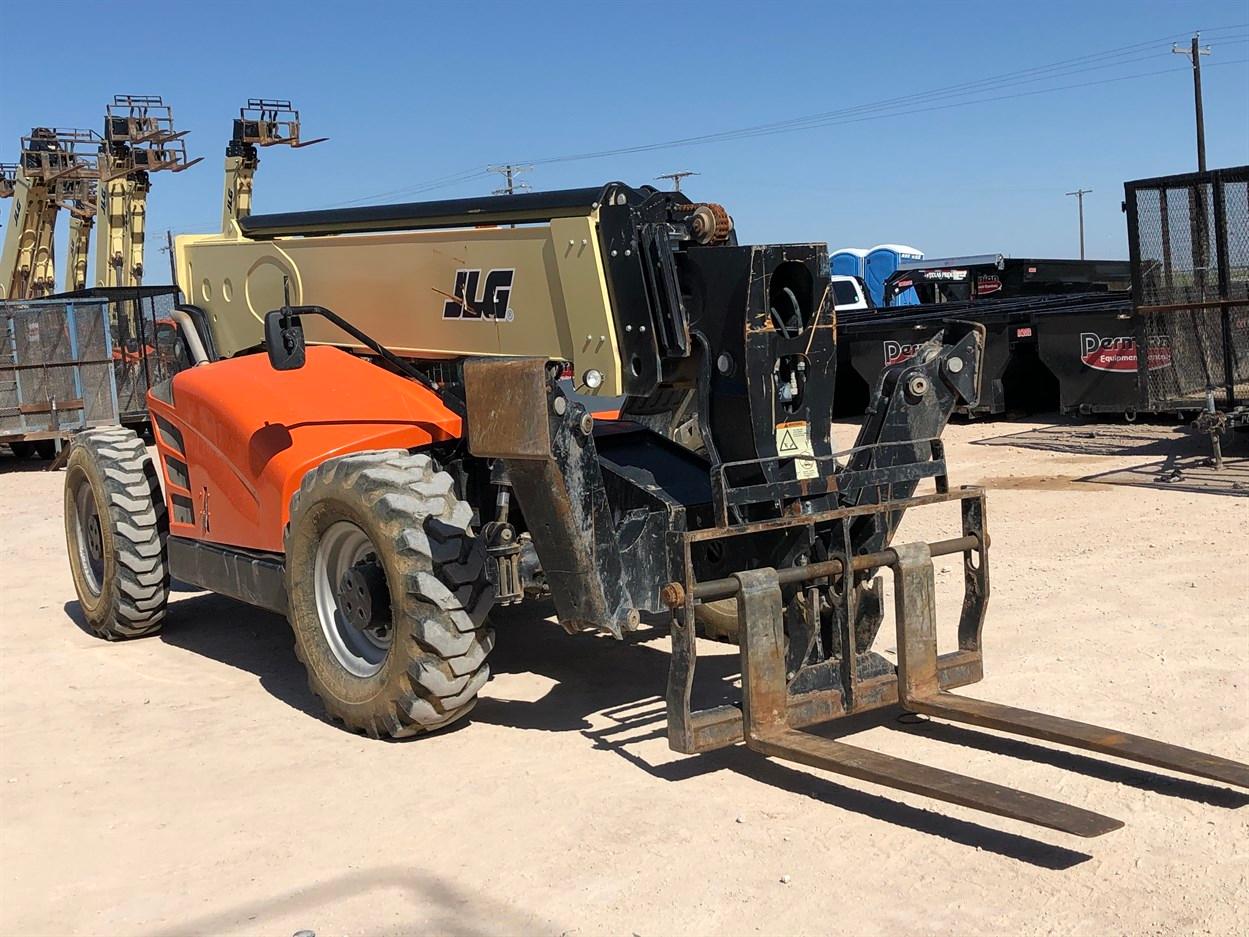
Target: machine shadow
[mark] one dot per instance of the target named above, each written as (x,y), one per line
(631,701)
(633,705)
(12,464)
(246,638)
(527,642)
(446,906)
(237,635)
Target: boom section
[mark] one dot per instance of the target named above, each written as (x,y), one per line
(581,275)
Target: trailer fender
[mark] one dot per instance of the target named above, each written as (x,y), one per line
(236,437)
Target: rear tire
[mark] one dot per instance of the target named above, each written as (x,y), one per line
(115,529)
(392,520)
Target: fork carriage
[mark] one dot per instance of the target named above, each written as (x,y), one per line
(787,685)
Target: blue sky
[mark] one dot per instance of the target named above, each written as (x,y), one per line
(411,92)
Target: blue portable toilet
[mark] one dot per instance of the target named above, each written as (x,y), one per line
(847,262)
(880,263)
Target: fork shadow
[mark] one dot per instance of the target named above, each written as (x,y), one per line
(742,761)
(1144,779)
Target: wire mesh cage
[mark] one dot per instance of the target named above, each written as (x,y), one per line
(56,367)
(147,348)
(1188,237)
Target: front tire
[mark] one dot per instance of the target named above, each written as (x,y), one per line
(388,593)
(115,529)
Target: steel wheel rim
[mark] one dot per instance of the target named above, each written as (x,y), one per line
(88,536)
(342,545)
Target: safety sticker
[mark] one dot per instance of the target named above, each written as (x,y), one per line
(793,441)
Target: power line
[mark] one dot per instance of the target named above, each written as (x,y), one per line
(1022,76)
(889,108)
(837,121)
(603,154)
(442,182)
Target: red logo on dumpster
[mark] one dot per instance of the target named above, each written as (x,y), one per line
(897,352)
(988,283)
(1118,353)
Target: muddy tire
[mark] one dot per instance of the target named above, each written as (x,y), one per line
(115,530)
(717,620)
(388,593)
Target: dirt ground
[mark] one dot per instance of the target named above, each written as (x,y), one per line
(187,784)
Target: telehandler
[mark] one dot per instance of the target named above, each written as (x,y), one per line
(378,440)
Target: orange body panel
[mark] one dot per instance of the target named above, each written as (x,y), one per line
(240,436)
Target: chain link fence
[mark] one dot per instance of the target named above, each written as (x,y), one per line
(1188,237)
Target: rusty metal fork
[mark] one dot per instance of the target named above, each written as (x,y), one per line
(765,710)
(919,691)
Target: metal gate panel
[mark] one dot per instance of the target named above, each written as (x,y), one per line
(1188,238)
(55,366)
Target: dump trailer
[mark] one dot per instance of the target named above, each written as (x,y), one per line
(377,441)
(1069,351)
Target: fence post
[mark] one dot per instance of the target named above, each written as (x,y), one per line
(1225,288)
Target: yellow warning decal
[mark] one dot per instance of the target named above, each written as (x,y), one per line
(793,441)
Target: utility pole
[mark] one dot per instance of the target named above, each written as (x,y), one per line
(1194,54)
(676,177)
(1079,194)
(509,173)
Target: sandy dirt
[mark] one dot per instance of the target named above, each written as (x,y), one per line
(187,784)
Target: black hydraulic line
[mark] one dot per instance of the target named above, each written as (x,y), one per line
(525,208)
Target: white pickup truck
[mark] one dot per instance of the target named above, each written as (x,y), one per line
(849,293)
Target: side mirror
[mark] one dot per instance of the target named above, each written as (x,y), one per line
(284,340)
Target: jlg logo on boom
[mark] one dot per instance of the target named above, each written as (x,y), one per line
(473,299)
